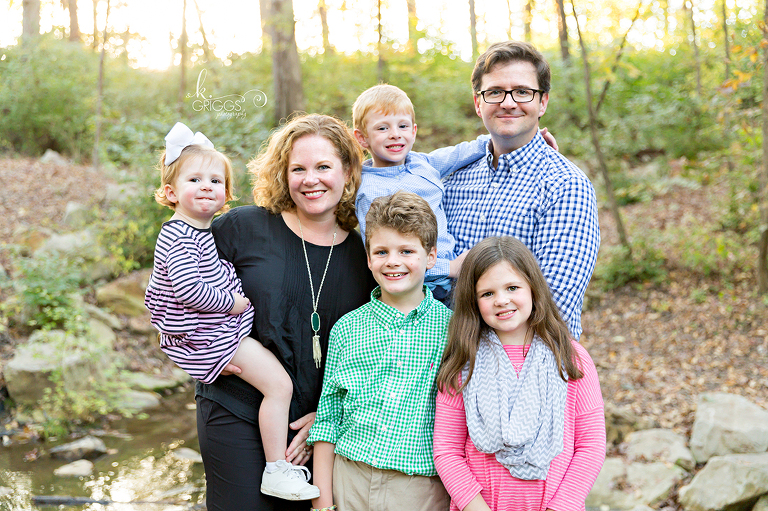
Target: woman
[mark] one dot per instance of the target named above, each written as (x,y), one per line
(305,183)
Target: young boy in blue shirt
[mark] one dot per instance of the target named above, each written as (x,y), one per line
(372,434)
(385,125)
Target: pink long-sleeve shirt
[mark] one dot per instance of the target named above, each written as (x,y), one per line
(465,471)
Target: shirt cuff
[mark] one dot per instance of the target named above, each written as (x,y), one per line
(322,432)
(440,269)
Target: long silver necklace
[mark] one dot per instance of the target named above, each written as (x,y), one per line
(314,318)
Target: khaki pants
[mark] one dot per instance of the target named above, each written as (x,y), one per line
(360,487)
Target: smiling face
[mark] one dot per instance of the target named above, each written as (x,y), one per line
(199,191)
(511,125)
(398,263)
(316,177)
(388,137)
(505,302)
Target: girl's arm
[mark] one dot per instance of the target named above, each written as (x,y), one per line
(589,441)
(450,454)
(323,474)
(188,285)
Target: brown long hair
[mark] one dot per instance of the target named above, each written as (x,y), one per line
(269,168)
(467,325)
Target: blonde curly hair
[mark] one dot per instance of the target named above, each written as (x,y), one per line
(269,169)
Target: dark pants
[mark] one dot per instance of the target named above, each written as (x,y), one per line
(234,461)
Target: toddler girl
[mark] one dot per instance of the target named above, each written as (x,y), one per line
(196,299)
(519,421)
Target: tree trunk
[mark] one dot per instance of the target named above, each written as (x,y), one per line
(183,63)
(762,259)
(322,8)
(95,44)
(266,40)
(100,94)
(286,68)
(206,45)
(511,20)
(31,20)
(473,29)
(527,20)
(726,41)
(74,26)
(381,69)
(562,27)
(596,143)
(695,44)
(618,58)
(412,23)
(727,107)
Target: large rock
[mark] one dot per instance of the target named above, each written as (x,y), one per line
(80,362)
(628,486)
(125,295)
(728,424)
(762,504)
(79,468)
(88,447)
(620,422)
(135,401)
(659,445)
(731,481)
(156,383)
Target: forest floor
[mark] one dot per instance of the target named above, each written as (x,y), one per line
(656,347)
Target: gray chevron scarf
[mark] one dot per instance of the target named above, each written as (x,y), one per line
(521,420)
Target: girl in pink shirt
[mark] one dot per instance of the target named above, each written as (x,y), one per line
(519,422)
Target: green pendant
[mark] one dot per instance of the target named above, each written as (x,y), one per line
(315,318)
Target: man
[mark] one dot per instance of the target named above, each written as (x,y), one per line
(523,187)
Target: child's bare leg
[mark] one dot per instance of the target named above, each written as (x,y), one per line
(261,369)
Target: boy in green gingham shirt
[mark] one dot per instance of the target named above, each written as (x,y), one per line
(377,407)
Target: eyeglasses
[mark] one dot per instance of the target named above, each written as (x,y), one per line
(494,97)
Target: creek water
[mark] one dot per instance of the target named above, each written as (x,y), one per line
(139,473)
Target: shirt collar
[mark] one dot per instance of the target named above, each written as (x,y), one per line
(392,171)
(519,157)
(390,317)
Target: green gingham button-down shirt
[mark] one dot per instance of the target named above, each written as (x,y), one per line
(378,398)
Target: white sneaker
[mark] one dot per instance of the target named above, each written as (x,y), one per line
(289,482)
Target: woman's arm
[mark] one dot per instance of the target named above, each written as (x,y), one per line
(449,446)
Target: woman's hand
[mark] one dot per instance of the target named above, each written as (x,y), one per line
(230,369)
(299,452)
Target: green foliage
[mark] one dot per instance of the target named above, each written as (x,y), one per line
(130,238)
(46,288)
(615,267)
(47,97)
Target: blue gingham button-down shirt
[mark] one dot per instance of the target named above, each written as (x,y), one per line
(542,199)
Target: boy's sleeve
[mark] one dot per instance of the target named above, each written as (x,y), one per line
(329,410)
(447,160)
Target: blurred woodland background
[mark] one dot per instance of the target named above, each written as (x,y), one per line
(661,102)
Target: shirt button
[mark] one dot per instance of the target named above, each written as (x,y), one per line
(399,363)
(494,185)
(482,217)
(392,396)
(513,169)
(384,428)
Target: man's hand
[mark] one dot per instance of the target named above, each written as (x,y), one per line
(549,139)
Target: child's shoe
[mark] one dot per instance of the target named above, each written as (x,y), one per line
(289,482)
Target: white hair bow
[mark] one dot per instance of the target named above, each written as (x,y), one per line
(180,137)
